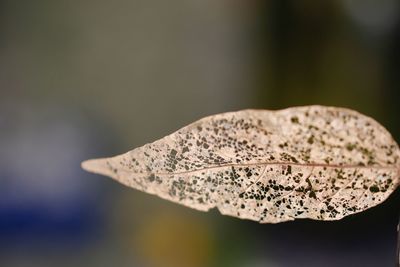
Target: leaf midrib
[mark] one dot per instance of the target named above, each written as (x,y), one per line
(338,166)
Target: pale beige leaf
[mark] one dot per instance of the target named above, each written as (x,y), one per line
(269,166)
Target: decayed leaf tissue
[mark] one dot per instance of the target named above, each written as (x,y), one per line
(314,162)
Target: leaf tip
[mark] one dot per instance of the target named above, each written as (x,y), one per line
(88,165)
(98,166)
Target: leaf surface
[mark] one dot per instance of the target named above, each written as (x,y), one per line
(314,162)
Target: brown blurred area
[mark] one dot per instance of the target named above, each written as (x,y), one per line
(84,79)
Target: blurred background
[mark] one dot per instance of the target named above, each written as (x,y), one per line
(84,79)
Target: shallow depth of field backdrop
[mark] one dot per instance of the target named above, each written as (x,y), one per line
(83,79)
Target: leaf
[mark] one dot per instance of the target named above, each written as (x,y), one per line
(314,162)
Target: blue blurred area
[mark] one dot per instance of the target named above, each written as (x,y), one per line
(78,224)
(46,199)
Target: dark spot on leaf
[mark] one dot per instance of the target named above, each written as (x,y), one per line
(152,177)
(350,147)
(173,152)
(294,119)
(374,189)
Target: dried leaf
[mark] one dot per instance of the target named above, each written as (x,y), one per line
(312,162)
